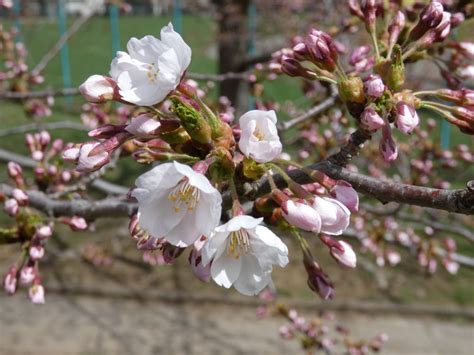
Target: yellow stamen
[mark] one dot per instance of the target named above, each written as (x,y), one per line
(238,244)
(185,194)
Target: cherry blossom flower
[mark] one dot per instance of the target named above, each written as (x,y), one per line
(152,68)
(177,203)
(259,139)
(335,217)
(243,253)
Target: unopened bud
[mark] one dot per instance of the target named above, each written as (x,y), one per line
(388,147)
(10,281)
(11,207)
(429,18)
(370,120)
(99,88)
(20,196)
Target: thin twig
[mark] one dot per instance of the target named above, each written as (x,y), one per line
(39,126)
(316,110)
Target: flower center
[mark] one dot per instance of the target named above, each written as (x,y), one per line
(258,134)
(184,194)
(152,72)
(239,243)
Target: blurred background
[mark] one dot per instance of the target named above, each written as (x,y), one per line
(104,299)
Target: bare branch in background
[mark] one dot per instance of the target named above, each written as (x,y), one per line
(99,184)
(38,126)
(312,112)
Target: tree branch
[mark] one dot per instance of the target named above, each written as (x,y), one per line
(47,126)
(109,207)
(99,184)
(316,110)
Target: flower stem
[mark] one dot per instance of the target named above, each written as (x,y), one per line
(373,36)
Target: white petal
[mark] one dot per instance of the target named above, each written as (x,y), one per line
(268,247)
(212,245)
(173,39)
(252,279)
(240,222)
(225,270)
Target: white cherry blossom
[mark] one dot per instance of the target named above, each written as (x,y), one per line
(177,203)
(152,68)
(259,139)
(243,253)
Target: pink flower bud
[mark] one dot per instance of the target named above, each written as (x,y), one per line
(71,154)
(451,266)
(44,139)
(87,163)
(374,86)
(36,252)
(406,118)
(466,72)
(429,18)
(457,19)
(14,170)
(321,49)
(11,207)
(301,215)
(36,294)
(345,193)
(396,26)
(335,217)
(98,89)
(344,254)
(318,281)
(75,223)
(10,281)
(27,275)
(44,232)
(388,147)
(37,155)
(143,126)
(371,120)
(202,272)
(20,196)
(286,332)
(393,257)
(106,131)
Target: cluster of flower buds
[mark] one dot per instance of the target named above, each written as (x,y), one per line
(315,334)
(16,76)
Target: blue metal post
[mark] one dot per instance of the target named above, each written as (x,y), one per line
(114,28)
(64,52)
(252,49)
(445,134)
(177,16)
(17,12)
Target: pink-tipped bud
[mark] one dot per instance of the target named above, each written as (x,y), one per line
(36,294)
(106,131)
(202,272)
(10,281)
(406,119)
(143,126)
(44,139)
(98,89)
(346,194)
(344,254)
(321,49)
(76,223)
(396,26)
(388,148)
(71,154)
(27,274)
(14,170)
(318,281)
(335,217)
(11,207)
(301,215)
(457,19)
(87,163)
(20,196)
(467,49)
(451,266)
(429,18)
(370,120)
(374,86)
(44,232)
(36,252)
